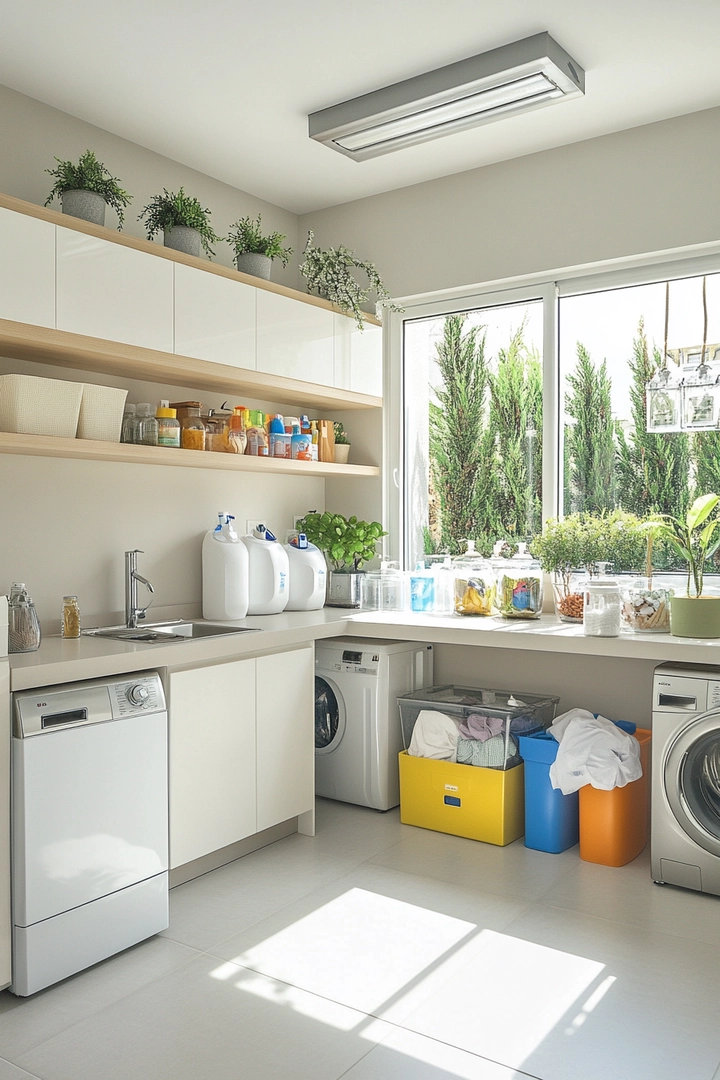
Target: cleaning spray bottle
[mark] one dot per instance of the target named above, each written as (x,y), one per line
(225,581)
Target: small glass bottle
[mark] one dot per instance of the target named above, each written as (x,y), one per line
(70,626)
(168,425)
(126,432)
(147,425)
(192,429)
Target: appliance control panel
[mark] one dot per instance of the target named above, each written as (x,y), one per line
(356,662)
(138,694)
(71,705)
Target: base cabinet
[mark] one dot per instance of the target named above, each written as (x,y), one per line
(242,751)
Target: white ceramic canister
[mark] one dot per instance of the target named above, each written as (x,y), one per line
(225,595)
(308,575)
(269,572)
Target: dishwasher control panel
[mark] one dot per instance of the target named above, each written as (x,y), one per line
(69,705)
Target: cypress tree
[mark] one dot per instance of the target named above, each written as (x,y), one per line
(706,454)
(590,441)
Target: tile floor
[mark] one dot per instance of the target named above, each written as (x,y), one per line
(376,951)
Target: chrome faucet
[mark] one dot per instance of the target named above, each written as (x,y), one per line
(132,611)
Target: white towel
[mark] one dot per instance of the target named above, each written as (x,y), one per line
(592,751)
(435,735)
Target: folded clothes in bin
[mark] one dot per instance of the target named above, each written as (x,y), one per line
(592,750)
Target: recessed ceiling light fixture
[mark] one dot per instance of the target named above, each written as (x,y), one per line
(514,78)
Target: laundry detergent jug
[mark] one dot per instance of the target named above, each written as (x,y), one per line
(308,574)
(269,572)
(224,573)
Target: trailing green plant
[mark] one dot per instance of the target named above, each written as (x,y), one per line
(331,274)
(692,537)
(346,542)
(590,441)
(165,211)
(247,238)
(341,435)
(89,175)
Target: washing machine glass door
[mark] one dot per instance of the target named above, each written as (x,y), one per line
(692,781)
(329,716)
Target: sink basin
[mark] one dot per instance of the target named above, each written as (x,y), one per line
(158,633)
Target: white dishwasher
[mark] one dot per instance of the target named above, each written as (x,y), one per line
(89,824)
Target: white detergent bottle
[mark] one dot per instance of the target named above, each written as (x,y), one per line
(224,573)
(269,573)
(308,574)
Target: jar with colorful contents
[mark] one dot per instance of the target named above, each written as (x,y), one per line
(474,584)
(645,607)
(520,586)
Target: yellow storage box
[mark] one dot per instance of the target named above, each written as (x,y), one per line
(465,800)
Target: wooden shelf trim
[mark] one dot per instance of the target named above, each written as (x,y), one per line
(22,341)
(91,450)
(19,206)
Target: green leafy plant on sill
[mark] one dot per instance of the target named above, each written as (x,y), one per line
(165,211)
(341,435)
(583,540)
(331,274)
(692,537)
(89,175)
(346,542)
(246,237)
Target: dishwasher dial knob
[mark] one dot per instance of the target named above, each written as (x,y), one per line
(137,694)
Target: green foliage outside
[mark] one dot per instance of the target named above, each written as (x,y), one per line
(165,211)
(346,542)
(590,441)
(247,238)
(89,175)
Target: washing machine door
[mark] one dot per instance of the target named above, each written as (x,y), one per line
(329,716)
(692,780)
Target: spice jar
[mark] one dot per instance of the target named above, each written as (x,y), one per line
(601,610)
(192,429)
(168,425)
(520,587)
(70,625)
(646,607)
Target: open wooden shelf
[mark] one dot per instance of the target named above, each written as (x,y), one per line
(91,450)
(23,341)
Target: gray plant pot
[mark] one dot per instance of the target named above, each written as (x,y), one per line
(183,238)
(257,265)
(344,589)
(88,205)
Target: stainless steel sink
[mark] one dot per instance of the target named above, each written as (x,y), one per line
(159,633)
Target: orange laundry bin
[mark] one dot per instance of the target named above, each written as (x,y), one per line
(614,824)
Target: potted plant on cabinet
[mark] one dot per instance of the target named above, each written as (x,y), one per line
(254,252)
(693,539)
(347,544)
(342,444)
(331,274)
(184,223)
(87,188)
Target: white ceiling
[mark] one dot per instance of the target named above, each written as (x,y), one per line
(225,86)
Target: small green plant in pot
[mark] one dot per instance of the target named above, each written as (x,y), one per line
(87,188)
(347,544)
(694,538)
(331,274)
(562,550)
(342,444)
(254,250)
(185,224)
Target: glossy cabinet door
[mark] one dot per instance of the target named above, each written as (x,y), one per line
(5,923)
(27,269)
(342,335)
(110,291)
(212,759)
(285,736)
(358,360)
(214,317)
(294,339)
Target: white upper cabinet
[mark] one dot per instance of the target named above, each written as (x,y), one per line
(358,357)
(214,317)
(107,290)
(294,339)
(27,269)
(342,329)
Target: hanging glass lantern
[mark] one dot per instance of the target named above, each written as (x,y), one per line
(663,401)
(700,398)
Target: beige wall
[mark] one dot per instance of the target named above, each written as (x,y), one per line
(32,134)
(637,191)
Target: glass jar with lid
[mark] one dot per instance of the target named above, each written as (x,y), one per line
(474,583)
(601,605)
(520,586)
(645,606)
(70,624)
(192,429)
(23,623)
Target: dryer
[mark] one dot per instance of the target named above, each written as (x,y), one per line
(357,720)
(685,815)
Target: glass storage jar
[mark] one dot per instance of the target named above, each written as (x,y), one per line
(520,586)
(645,607)
(601,607)
(23,623)
(474,584)
(567,586)
(192,429)
(70,624)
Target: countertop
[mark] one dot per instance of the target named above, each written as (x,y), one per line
(59,660)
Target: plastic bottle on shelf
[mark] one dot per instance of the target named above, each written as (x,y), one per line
(168,425)
(300,445)
(314,447)
(237,436)
(225,573)
(422,589)
(280,443)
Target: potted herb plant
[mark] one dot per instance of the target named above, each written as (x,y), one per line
(331,274)
(181,219)
(254,252)
(342,444)
(694,539)
(347,544)
(87,188)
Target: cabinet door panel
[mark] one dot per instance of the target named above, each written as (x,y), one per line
(366,360)
(294,339)
(212,759)
(27,269)
(285,741)
(214,317)
(342,333)
(109,291)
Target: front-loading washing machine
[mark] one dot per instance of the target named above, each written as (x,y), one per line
(357,720)
(685,813)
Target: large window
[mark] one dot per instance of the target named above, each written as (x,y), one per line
(495,399)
